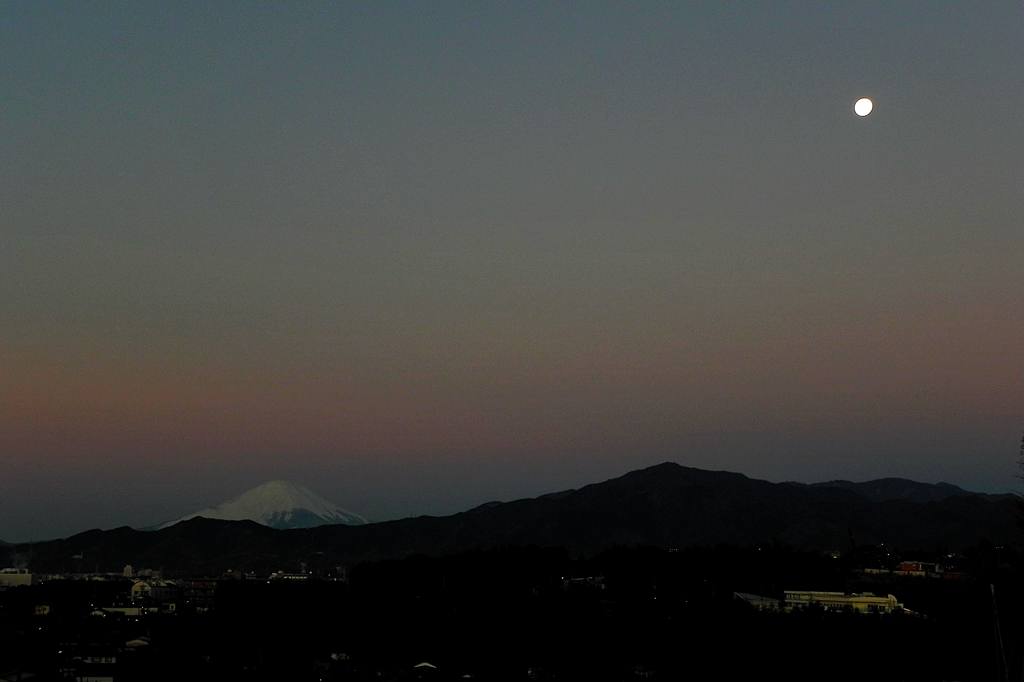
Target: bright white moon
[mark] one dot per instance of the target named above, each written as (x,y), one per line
(863,106)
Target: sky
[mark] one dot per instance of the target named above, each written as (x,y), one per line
(420,256)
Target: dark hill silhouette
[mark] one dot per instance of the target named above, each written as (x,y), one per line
(667,505)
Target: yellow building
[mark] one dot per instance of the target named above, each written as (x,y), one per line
(840,601)
(14,577)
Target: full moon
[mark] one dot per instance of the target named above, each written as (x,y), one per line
(863,106)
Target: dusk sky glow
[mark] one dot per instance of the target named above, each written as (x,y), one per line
(419,256)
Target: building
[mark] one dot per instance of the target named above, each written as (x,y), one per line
(14,577)
(840,601)
(89,662)
(918,568)
(154,590)
(758,602)
(199,594)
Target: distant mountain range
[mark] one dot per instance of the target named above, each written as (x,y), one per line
(666,505)
(889,489)
(278,504)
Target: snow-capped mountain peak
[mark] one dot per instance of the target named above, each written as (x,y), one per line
(279,504)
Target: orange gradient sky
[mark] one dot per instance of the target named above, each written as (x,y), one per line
(418,258)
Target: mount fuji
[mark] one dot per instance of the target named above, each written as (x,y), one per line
(278,504)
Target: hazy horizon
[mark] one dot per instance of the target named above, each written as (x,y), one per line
(418,257)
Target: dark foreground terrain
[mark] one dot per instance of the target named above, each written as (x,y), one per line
(529,614)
